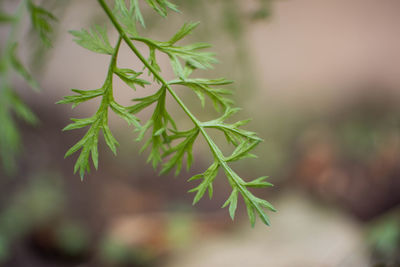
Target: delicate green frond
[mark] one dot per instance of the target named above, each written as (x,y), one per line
(89,142)
(88,146)
(6,18)
(80,123)
(9,139)
(123,112)
(41,21)
(22,110)
(250,212)
(160,122)
(259,182)
(208,178)
(138,14)
(83,96)
(190,54)
(186,29)
(128,16)
(11,105)
(203,87)
(179,151)
(95,39)
(233,130)
(20,69)
(168,145)
(99,121)
(144,102)
(161,6)
(232,202)
(110,139)
(242,150)
(130,77)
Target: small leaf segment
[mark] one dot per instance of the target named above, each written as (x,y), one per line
(168,145)
(10,101)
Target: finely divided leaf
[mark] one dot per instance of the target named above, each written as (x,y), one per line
(21,70)
(159,122)
(186,29)
(128,16)
(82,96)
(144,102)
(95,39)
(208,176)
(22,110)
(232,202)
(110,140)
(80,123)
(89,142)
(161,6)
(259,183)
(250,212)
(138,14)
(5,18)
(179,151)
(203,87)
(124,113)
(190,54)
(41,21)
(130,77)
(166,142)
(242,150)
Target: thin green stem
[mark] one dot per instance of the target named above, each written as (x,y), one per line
(127,40)
(109,79)
(108,88)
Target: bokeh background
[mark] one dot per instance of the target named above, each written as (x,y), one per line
(321,80)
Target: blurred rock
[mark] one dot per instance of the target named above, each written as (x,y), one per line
(302,234)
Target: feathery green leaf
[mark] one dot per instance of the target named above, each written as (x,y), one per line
(95,40)
(21,70)
(168,145)
(41,21)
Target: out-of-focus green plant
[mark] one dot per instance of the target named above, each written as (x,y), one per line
(384,238)
(10,102)
(38,202)
(115,252)
(72,238)
(166,140)
(231,21)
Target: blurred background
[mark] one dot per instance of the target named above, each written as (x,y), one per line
(321,80)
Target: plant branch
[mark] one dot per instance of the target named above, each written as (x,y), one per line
(127,40)
(235,181)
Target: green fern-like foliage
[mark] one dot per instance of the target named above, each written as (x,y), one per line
(10,102)
(169,146)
